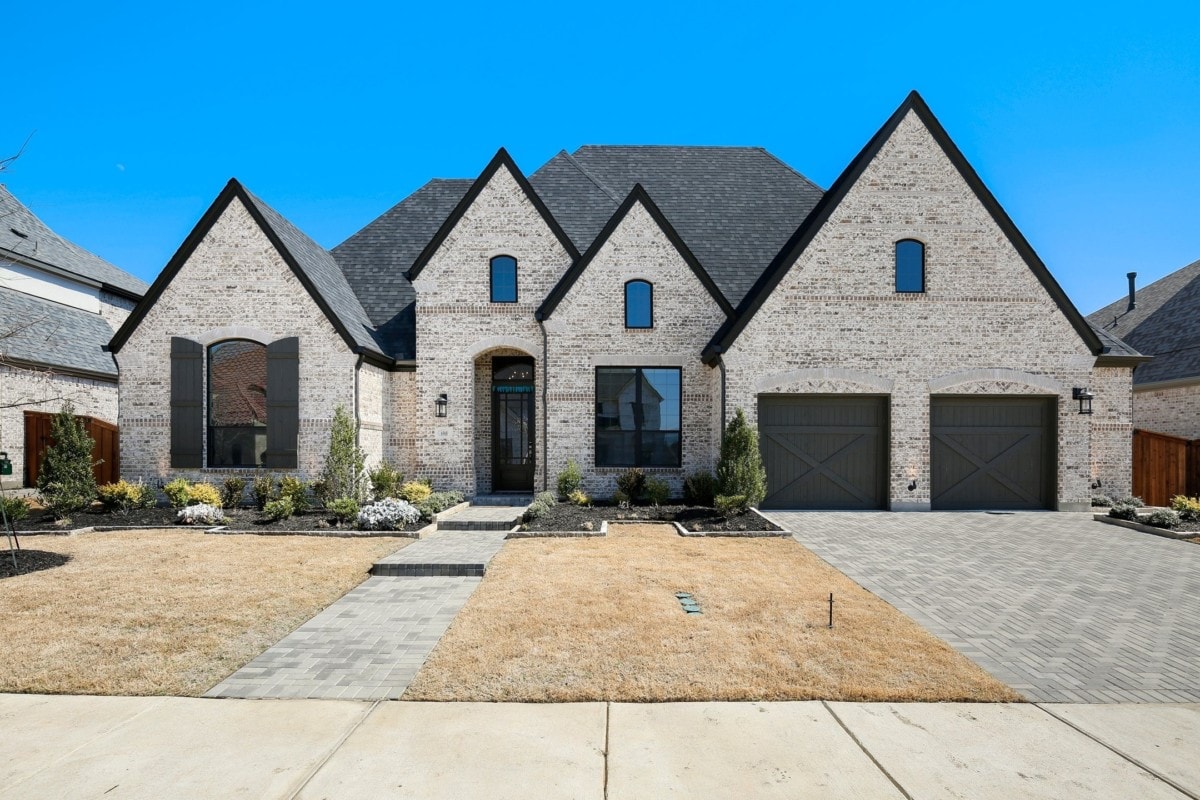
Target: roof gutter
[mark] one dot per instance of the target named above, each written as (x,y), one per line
(377,359)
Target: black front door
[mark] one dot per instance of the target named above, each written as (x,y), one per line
(512,424)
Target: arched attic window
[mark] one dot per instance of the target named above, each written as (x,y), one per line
(504,279)
(910,266)
(237,403)
(639,304)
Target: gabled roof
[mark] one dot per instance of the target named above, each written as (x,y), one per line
(24,237)
(636,195)
(46,334)
(803,235)
(376,260)
(313,266)
(501,159)
(733,206)
(1165,324)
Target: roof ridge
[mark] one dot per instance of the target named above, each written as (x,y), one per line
(607,191)
(677,146)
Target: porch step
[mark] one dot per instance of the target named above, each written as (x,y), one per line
(503,499)
(482,518)
(464,554)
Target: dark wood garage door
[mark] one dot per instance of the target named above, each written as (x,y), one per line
(993,452)
(824,451)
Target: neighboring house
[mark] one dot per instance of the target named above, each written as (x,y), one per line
(1162,320)
(895,339)
(59,306)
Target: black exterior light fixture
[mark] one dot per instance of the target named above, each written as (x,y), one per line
(912,485)
(1085,399)
(441,403)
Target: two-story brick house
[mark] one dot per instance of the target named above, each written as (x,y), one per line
(895,338)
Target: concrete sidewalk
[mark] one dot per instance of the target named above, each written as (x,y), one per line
(122,747)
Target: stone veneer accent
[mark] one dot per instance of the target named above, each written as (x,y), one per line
(234,277)
(984,325)
(1174,410)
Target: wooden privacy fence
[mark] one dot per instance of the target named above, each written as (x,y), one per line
(1164,466)
(105,450)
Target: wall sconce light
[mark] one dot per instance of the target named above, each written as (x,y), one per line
(1096,484)
(1085,399)
(441,404)
(912,485)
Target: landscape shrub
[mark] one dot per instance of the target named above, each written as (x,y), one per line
(1124,511)
(15,508)
(546,497)
(729,505)
(296,490)
(579,498)
(124,496)
(1187,508)
(1130,500)
(740,469)
(178,492)
(279,509)
(542,503)
(66,481)
(388,514)
(386,481)
(657,491)
(633,483)
(1101,501)
(344,509)
(263,490)
(438,502)
(621,499)
(699,488)
(345,473)
(1163,518)
(200,514)
(570,479)
(204,494)
(415,492)
(232,492)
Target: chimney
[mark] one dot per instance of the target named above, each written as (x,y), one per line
(1132,291)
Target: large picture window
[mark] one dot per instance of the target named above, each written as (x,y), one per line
(638,417)
(237,404)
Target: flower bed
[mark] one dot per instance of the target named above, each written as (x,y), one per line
(243,520)
(567,517)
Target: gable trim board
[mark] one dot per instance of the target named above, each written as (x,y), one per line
(501,159)
(637,195)
(782,263)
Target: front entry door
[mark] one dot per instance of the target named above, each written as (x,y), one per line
(512,424)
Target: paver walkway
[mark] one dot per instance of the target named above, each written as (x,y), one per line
(1059,606)
(369,644)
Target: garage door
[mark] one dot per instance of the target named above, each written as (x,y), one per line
(993,452)
(824,451)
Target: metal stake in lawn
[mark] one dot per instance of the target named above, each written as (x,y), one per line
(9,532)
(831,609)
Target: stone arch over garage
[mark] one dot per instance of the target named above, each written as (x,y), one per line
(994,381)
(824,380)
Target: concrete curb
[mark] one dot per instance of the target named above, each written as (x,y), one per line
(517,533)
(1138,526)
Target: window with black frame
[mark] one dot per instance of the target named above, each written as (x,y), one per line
(237,403)
(638,417)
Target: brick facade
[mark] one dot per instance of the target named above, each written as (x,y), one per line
(1174,411)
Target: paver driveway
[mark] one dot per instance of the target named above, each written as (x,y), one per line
(1059,606)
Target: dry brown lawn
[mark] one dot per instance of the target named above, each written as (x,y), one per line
(597,619)
(165,612)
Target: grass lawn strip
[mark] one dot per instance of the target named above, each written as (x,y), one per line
(560,620)
(167,612)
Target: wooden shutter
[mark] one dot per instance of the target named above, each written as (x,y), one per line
(283,402)
(187,403)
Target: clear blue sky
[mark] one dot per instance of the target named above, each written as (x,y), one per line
(1083,120)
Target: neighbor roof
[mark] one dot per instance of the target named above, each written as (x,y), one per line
(1165,324)
(53,335)
(24,237)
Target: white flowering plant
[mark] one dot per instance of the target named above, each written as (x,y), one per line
(200,514)
(387,515)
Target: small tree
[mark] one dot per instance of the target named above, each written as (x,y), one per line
(66,481)
(740,471)
(345,473)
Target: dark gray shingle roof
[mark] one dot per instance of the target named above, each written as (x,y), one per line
(376,259)
(27,238)
(53,335)
(1165,324)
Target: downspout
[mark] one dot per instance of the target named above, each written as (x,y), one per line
(721,366)
(545,401)
(357,416)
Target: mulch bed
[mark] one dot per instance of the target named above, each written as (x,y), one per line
(241,519)
(567,517)
(29,561)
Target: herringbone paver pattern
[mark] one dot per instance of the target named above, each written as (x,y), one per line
(1059,606)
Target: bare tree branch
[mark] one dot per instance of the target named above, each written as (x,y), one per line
(5,163)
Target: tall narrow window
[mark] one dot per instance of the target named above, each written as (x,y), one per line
(504,279)
(638,417)
(639,304)
(910,266)
(237,404)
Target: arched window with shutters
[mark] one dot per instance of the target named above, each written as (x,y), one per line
(910,266)
(237,404)
(639,304)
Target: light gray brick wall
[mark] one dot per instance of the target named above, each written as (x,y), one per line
(587,330)
(1174,411)
(1112,430)
(400,433)
(457,323)
(372,413)
(235,285)
(983,309)
(115,310)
